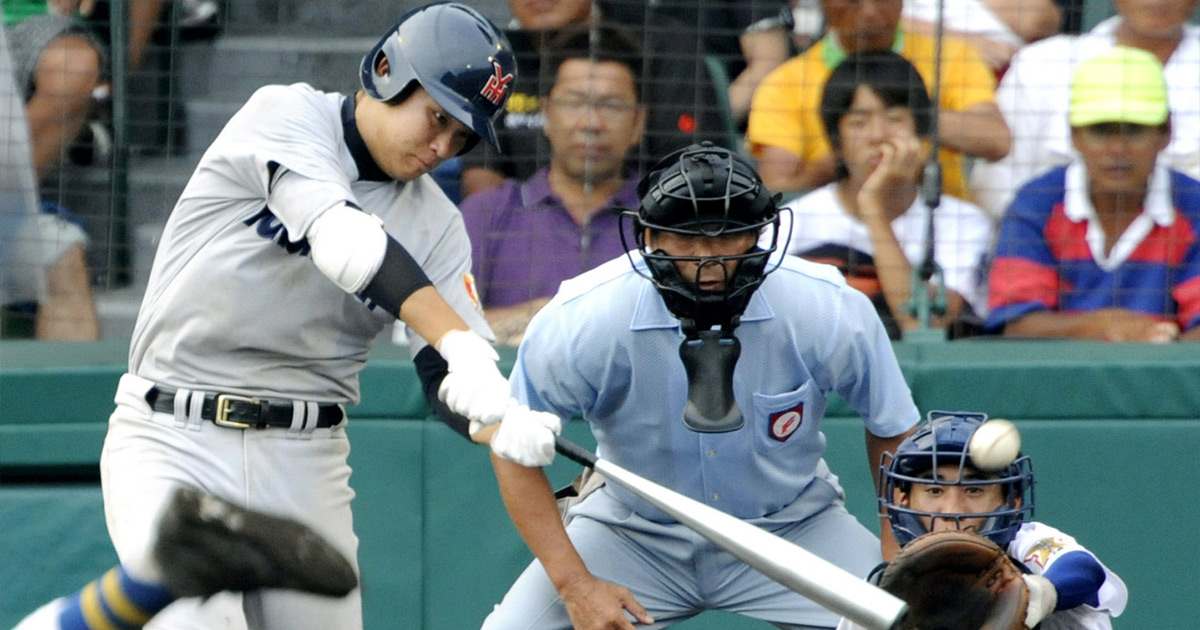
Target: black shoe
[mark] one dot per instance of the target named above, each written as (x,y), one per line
(207,545)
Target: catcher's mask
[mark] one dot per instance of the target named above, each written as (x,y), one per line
(942,440)
(705,191)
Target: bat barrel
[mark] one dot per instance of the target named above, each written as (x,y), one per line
(791,565)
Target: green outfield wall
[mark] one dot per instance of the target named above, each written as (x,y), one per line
(1114,431)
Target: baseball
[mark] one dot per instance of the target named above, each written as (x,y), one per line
(994,445)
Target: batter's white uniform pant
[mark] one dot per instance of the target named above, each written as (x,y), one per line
(677,574)
(302,474)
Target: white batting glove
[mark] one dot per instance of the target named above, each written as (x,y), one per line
(473,386)
(1042,599)
(526,436)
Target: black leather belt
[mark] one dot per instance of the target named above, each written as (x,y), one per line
(244,412)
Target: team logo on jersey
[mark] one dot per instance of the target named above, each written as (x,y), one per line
(268,226)
(472,292)
(1041,551)
(497,85)
(784,423)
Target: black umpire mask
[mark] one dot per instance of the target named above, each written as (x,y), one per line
(705,191)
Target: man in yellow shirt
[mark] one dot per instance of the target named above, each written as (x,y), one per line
(785,133)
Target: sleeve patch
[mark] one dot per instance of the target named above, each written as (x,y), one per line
(472,292)
(1041,551)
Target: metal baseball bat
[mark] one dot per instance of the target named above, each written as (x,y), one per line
(792,566)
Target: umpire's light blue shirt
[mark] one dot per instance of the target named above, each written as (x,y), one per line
(607,347)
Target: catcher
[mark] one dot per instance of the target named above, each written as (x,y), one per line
(971,555)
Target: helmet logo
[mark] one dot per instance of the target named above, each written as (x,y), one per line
(785,423)
(497,85)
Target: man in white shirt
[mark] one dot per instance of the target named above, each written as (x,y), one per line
(1034,94)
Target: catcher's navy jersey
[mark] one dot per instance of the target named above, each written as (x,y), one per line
(235,302)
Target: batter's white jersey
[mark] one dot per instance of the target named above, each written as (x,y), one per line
(236,304)
(1037,546)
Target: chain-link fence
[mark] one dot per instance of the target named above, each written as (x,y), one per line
(108,114)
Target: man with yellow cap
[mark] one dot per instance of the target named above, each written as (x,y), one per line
(1106,247)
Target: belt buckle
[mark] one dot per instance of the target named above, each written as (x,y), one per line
(224,402)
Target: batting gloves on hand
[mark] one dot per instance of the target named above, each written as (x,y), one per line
(526,436)
(473,386)
(1042,599)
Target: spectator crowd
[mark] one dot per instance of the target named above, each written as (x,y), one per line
(907,171)
(906,137)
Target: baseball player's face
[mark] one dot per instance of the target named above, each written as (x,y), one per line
(863,24)
(870,125)
(1119,157)
(953,500)
(593,120)
(702,264)
(411,138)
(541,15)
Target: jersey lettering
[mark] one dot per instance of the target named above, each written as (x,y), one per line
(269,227)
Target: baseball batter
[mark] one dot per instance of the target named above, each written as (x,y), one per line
(1069,588)
(309,226)
(648,354)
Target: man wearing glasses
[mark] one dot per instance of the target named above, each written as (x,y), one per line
(566,212)
(681,99)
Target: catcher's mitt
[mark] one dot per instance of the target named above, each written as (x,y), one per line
(957,580)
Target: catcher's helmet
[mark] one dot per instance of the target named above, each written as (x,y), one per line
(705,191)
(943,441)
(459,57)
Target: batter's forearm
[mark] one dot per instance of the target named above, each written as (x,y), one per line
(428,313)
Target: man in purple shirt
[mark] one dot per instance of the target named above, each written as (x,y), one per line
(527,237)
